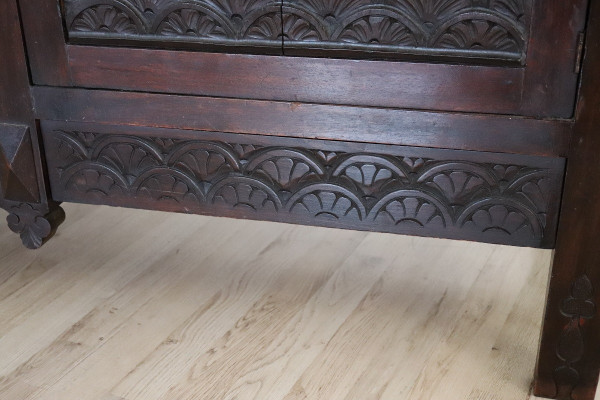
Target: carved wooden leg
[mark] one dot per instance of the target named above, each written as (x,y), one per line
(30,214)
(35,223)
(22,187)
(569,359)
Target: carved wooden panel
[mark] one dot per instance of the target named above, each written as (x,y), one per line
(478,196)
(464,29)
(209,22)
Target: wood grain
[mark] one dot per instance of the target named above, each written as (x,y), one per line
(224,309)
(505,134)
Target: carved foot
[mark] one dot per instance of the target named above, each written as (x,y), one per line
(35,227)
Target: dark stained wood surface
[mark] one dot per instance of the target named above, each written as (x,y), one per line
(551,57)
(413,128)
(22,185)
(18,148)
(467,30)
(569,359)
(429,29)
(45,42)
(198,23)
(488,197)
(15,99)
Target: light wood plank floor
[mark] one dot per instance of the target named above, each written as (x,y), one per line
(137,305)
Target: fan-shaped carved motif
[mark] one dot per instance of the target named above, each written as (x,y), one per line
(302,28)
(327,201)
(411,207)
(371,173)
(375,29)
(203,161)
(266,27)
(479,34)
(190,22)
(460,25)
(129,157)
(482,28)
(284,167)
(245,193)
(164,184)
(458,181)
(106,19)
(504,216)
(94,180)
(367,190)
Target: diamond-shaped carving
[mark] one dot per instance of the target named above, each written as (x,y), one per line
(18,177)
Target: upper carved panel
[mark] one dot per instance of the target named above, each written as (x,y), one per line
(209,21)
(480,29)
(486,28)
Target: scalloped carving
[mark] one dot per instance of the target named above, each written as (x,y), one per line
(503,203)
(106,19)
(190,22)
(34,225)
(485,29)
(202,21)
(246,193)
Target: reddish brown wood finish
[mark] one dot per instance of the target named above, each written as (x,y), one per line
(375,125)
(369,83)
(15,99)
(569,359)
(44,39)
(550,81)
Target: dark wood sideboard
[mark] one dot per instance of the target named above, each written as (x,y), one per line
(467,119)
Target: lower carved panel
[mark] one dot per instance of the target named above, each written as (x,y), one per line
(478,196)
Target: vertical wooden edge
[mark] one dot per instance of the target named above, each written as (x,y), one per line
(15,98)
(556,100)
(22,174)
(45,42)
(568,364)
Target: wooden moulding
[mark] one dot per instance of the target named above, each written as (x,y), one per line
(503,134)
(498,198)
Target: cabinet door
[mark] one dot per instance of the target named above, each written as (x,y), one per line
(515,57)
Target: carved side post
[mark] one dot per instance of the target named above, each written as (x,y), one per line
(22,187)
(569,358)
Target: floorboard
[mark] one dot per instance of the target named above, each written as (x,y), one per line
(138,305)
